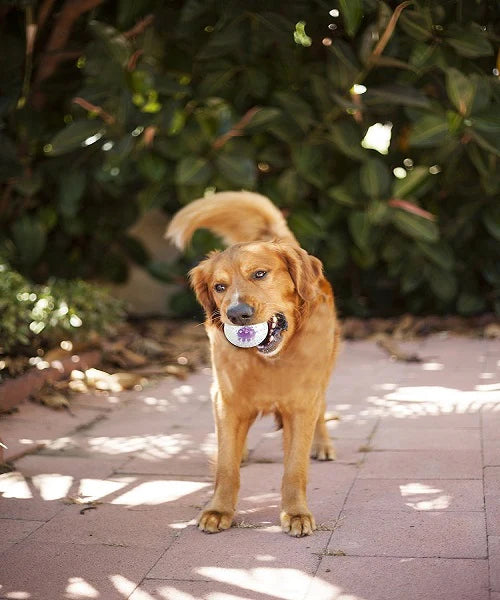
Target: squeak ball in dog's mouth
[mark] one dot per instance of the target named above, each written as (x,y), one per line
(246,336)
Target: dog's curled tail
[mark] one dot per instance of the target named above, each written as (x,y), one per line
(233,216)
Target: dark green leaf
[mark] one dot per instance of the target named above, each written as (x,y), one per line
(430,130)
(261,119)
(491,220)
(77,135)
(297,108)
(71,187)
(439,253)
(29,185)
(417,24)
(341,194)
(346,136)
(487,141)
(134,249)
(375,178)
(310,164)
(116,44)
(193,171)
(461,90)
(471,42)
(487,121)
(161,270)
(397,94)
(414,226)
(470,304)
(360,228)
(239,170)
(443,283)
(352,13)
(153,167)
(404,188)
(29,238)
(343,67)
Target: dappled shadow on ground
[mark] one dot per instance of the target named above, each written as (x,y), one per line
(410,440)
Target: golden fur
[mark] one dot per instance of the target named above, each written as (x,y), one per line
(289,381)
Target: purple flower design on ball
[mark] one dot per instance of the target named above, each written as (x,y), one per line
(245,334)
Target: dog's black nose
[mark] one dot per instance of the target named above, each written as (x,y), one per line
(240,313)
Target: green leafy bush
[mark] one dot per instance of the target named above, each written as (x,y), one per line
(151,104)
(41,315)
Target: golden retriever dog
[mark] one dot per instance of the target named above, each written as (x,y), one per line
(264,276)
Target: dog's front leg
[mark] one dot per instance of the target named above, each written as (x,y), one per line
(232,431)
(298,431)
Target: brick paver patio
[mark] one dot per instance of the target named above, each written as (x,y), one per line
(409,511)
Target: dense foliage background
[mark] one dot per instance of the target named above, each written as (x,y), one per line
(110,108)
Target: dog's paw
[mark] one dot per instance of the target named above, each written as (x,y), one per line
(213,521)
(297,525)
(323,451)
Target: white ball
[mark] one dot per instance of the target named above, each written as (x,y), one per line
(246,336)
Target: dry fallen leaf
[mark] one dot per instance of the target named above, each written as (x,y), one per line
(392,348)
(492,331)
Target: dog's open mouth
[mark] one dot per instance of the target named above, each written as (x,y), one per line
(277,325)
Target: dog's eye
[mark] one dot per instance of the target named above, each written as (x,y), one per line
(219,287)
(259,274)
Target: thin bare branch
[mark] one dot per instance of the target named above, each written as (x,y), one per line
(59,37)
(106,117)
(237,129)
(44,12)
(139,27)
(386,36)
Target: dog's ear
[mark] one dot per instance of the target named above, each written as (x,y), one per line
(199,282)
(305,271)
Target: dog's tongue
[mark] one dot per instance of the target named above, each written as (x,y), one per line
(246,336)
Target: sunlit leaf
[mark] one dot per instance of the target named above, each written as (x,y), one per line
(75,135)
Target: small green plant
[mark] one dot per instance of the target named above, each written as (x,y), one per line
(33,315)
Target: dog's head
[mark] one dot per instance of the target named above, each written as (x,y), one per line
(257,282)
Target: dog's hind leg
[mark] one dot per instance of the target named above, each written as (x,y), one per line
(322,446)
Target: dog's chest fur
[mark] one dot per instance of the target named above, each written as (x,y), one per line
(266,384)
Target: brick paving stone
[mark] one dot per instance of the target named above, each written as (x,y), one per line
(260,583)
(420,495)
(19,499)
(153,527)
(374,578)
(492,499)
(425,464)
(74,571)
(216,557)
(403,438)
(491,449)
(15,530)
(435,419)
(418,534)
(491,423)
(22,432)
(494,552)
